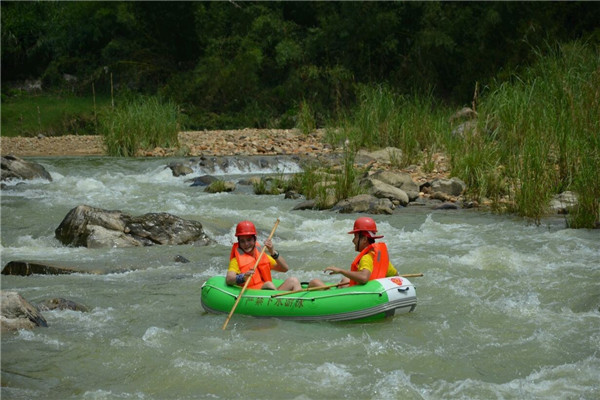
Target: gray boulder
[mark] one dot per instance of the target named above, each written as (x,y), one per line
(203,180)
(400,180)
(179,169)
(452,186)
(388,155)
(94,227)
(16,168)
(383,190)
(364,203)
(17,313)
(306,205)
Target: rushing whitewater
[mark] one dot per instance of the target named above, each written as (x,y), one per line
(505,309)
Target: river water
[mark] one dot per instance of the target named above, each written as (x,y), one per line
(506,309)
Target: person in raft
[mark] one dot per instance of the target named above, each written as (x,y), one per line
(243,257)
(372,261)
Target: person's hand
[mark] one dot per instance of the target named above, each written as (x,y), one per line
(248,274)
(269,246)
(333,270)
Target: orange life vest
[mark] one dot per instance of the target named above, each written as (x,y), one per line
(381,261)
(246,262)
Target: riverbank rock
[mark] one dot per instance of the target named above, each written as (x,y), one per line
(364,203)
(383,190)
(400,180)
(451,187)
(563,202)
(17,168)
(17,313)
(388,155)
(96,228)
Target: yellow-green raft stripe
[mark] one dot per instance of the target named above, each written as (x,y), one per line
(377,299)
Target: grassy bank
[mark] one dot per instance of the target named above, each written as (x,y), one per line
(50,114)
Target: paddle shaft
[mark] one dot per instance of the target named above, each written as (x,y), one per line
(411,275)
(248,280)
(309,289)
(330,286)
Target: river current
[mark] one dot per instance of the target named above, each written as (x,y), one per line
(505,309)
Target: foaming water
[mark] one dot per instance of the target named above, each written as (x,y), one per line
(505,310)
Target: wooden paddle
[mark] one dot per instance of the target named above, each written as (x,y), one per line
(411,275)
(330,286)
(248,280)
(309,289)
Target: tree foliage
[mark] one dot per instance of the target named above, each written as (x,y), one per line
(254,63)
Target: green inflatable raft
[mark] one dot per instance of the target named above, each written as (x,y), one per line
(376,299)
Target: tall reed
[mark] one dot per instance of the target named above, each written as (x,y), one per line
(545,127)
(305,119)
(346,182)
(383,118)
(141,123)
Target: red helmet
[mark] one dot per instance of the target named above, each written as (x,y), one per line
(245,228)
(367,227)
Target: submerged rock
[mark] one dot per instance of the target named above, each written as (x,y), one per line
(58,303)
(25,268)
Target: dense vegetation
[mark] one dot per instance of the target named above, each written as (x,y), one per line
(535,135)
(255,64)
(373,74)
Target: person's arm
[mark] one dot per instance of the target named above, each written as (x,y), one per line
(392,271)
(280,263)
(361,276)
(231,278)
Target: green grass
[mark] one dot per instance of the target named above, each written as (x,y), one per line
(305,118)
(271,185)
(415,124)
(331,184)
(546,127)
(140,123)
(49,114)
(217,186)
